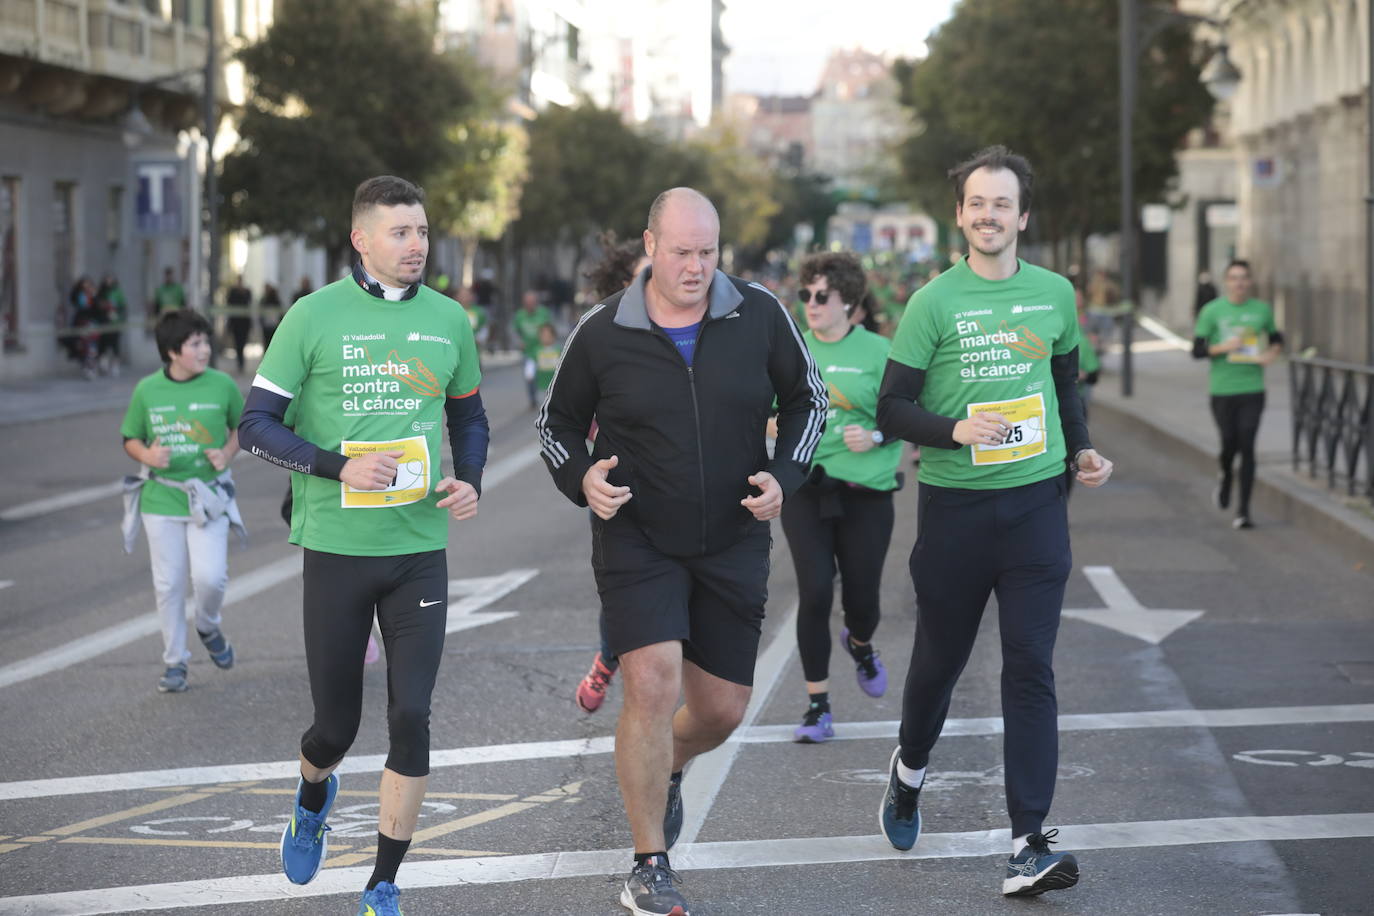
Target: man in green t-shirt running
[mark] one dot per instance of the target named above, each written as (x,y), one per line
(528,319)
(983,375)
(376,365)
(170,295)
(1238,334)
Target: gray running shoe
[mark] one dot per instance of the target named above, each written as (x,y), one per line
(173,680)
(672,814)
(221,652)
(649,891)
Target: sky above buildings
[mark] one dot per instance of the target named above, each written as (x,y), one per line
(779,49)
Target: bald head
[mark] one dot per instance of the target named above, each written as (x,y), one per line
(679,202)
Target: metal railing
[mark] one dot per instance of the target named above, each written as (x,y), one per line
(1333,422)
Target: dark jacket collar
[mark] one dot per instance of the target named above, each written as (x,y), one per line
(361,277)
(633,312)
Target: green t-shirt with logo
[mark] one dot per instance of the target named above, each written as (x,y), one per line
(1088,360)
(372,375)
(188,417)
(985,345)
(527,325)
(852,368)
(170,296)
(1240,371)
(545,364)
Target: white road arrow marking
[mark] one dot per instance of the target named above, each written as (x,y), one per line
(475,594)
(1125,614)
(6,583)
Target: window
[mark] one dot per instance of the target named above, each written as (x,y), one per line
(114,219)
(63,245)
(9,261)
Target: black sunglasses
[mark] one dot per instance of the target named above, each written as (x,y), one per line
(822,297)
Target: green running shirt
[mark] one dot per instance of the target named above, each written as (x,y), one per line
(986,345)
(1240,371)
(852,369)
(367,374)
(188,417)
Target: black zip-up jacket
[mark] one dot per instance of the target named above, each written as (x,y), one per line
(688,438)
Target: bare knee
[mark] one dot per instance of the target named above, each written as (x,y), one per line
(653,677)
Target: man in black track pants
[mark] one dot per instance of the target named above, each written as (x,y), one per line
(680,370)
(375,365)
(983,375)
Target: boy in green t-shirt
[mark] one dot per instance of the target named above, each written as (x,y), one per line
(170,296)
(1238,334)
(181,426)
(983,374)
(528,319)
(546,359)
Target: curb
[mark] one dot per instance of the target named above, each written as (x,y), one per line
(1279,493)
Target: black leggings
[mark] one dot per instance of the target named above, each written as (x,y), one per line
(1238,420)
(409,595)
(858,540)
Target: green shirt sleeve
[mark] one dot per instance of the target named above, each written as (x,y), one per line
(918,335)
(1206,324)
(1269,326)
(135,425)
(233,402)
(1068,313)
(287,361)
(469,373)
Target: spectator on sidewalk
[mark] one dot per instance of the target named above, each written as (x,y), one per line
(170,295)
(116,308)
(239,298)
(1238,334)
(269,313)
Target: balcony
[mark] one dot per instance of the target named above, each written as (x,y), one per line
(99,38)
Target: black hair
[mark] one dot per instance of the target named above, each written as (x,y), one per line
(1238,262)
(994,159)
(385,191)
(843,273)
(615,270)
(176,327)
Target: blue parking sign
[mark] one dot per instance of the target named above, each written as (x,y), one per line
(159,204)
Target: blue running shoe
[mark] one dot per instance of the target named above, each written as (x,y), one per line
(816,726)
(173,680)
(868,667)
(1035,869)
(672,814)
(221,652)
(899,817)
(382,900)
(305,839)
(649,891)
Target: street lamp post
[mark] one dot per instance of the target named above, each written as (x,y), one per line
(1221,78)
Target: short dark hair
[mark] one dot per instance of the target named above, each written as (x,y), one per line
(843,273)
(995,158)
(1237,262)
(385,191)
(174,328)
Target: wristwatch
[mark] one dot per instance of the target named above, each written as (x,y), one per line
(877,437)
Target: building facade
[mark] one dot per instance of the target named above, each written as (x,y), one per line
(85,189)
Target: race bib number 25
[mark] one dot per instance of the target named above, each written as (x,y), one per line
(1027,436)
(412,474)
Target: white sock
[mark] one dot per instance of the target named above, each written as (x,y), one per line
(1019,843)
(910,777)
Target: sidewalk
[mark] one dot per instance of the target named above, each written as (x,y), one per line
(1170,400)
(68,394)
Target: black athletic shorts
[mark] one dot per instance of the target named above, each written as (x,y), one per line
(712,603)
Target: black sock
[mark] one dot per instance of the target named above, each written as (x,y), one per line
(313,794)
(820,700)
(389,855)
(642,857)
(858,652)
(676,777)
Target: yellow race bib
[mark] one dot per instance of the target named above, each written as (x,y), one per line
(1027,437)
(1249,351)
(412,474)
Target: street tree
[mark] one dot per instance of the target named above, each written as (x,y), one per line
(341,90)
(1041,77)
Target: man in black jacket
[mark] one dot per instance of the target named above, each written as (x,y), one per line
(680,372)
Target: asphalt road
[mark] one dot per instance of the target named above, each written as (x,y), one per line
(1226,766)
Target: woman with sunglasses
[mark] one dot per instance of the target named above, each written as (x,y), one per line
(841,519)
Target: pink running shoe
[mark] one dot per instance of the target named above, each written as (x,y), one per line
(591,692)
(373,652)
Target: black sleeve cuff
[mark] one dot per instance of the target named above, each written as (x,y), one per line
(470,474)
(329,464)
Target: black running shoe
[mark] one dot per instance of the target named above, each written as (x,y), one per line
(672,816)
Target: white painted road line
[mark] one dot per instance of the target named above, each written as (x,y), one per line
(705,775)
(1256,717)
(1124,613)
(61,501)
(1163,333)
(690,857)
(102,641)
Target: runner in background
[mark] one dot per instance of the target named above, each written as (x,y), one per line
(841,518)
(528,319)
(1239,336)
